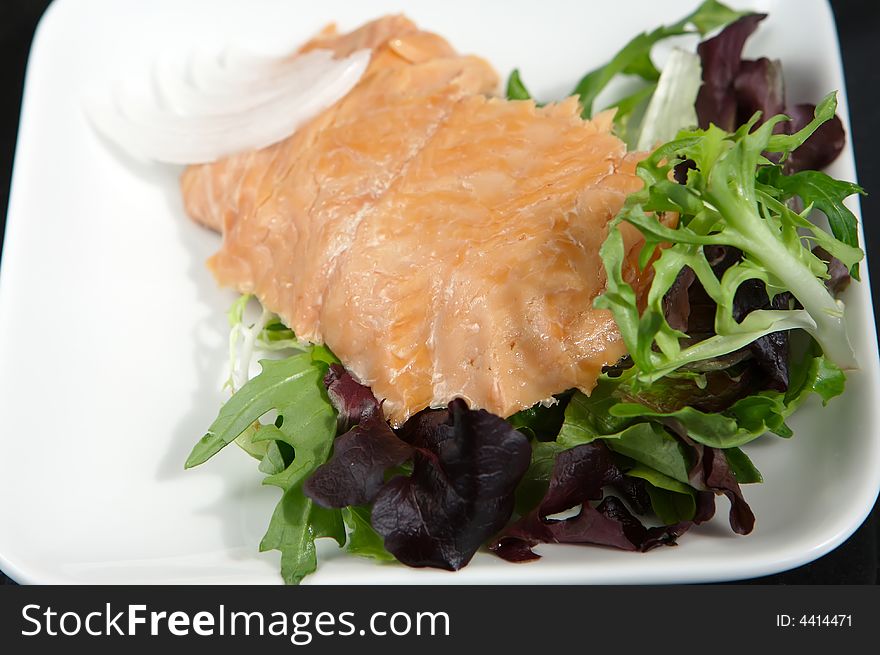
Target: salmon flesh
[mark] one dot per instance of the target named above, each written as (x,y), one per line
(443,243)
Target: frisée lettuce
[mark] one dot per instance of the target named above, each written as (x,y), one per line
(724,203)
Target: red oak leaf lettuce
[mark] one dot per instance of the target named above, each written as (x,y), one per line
(356,471)
(579,476)
(466,467)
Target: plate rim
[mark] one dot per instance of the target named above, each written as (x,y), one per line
(754,567)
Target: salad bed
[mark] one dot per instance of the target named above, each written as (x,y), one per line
(739,327)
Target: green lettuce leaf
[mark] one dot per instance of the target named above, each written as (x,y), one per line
(652,445)
(659,480)
(743,470)
(588,418)
(277,336)
(535,482)
(671,500)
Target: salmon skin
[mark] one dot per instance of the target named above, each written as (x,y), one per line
(441,242)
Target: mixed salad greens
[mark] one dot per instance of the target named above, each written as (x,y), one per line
(740,325)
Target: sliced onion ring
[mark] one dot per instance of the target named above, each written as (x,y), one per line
(214,106)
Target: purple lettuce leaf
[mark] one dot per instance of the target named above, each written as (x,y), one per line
(352,400)
(608,524)
(516,542)
(711,472)
(759,86)
(676,302)
(423,430)
(579,474)
(721,58)
(705,510)
(680,170)
(466,467)
(356,471)
(634,493)
(734,89)
(770,351)
(642,538)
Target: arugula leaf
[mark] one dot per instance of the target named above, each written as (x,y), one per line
(246,442)
(627,112)
(276,459)
(307,425)
(297,520)
(635,57)
(282,383)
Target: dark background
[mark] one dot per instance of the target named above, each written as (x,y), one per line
(858,25)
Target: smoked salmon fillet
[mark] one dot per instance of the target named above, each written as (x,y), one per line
(443,243)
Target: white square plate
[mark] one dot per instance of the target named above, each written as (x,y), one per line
(113,333)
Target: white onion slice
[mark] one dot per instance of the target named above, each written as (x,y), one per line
(209,107)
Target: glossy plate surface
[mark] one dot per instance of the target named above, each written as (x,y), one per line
(113,334)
